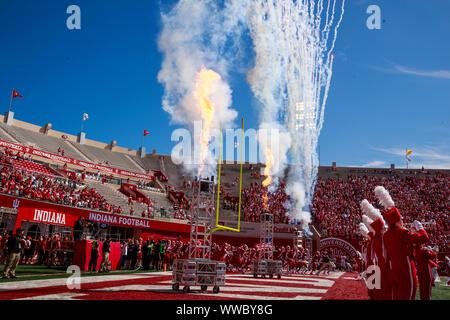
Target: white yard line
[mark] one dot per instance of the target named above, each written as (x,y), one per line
(314,282)
(29,284)
(227,294)
(241,288)
(58,296)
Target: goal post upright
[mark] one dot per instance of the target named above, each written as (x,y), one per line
(218,226)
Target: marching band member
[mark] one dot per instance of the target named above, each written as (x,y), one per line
(399,244)
(378,250)
(368,252)
(424,259)
(365,233)
(447,265)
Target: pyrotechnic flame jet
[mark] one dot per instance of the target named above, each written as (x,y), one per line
(268,180)
(203,88)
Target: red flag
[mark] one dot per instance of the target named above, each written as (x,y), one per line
(146,133)
(16,94)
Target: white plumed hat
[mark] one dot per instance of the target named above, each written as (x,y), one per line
(372,212)
(367,221)
(384,198)
(363,229)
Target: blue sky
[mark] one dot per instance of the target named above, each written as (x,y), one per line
(390,87)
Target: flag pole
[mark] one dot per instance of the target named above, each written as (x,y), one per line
(82,120)
(142,141)
(10,101)
(406,158)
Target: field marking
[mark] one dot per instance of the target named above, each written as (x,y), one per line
(241,288)
(315,282)
(31,284)
(57,296)
(333,275)
(226,294)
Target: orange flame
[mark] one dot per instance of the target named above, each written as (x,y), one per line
(268,180)
(203,88)
(265,200)
(269,163)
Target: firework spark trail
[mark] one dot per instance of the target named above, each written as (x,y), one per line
(291,78)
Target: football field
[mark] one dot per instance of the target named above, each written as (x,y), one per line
(158,286)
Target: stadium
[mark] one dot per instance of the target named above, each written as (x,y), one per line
(82,219)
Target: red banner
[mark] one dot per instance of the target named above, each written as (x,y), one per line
(124,221)
(84,164)
(45,215)
(82,255)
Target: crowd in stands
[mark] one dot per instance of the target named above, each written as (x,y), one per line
(24,183)
(336,203)
(253,203)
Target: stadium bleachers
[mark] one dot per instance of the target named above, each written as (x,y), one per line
(32,166)
(43,142)
(4,135)
(149,162)
(113,159)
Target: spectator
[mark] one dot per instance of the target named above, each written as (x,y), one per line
(124,253)
(106,248)
(14,246)
(94,255)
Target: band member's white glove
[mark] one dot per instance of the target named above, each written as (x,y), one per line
(417,225)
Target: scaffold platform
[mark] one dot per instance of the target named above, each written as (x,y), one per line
(265,265)
(199,269)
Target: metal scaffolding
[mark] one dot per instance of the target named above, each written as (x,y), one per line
(298,239)
(202,221)
(265,265)
(199,269)
(266,237)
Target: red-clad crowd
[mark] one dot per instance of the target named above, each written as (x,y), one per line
(336,203)
(43,250)
(24,183)
(237,258)
(253,203)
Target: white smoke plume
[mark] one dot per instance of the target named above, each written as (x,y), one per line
(196,34)
(293,42)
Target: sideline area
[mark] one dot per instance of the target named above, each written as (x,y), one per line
(38,272)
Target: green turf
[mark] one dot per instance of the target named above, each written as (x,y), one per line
(38,272)
(439,292)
